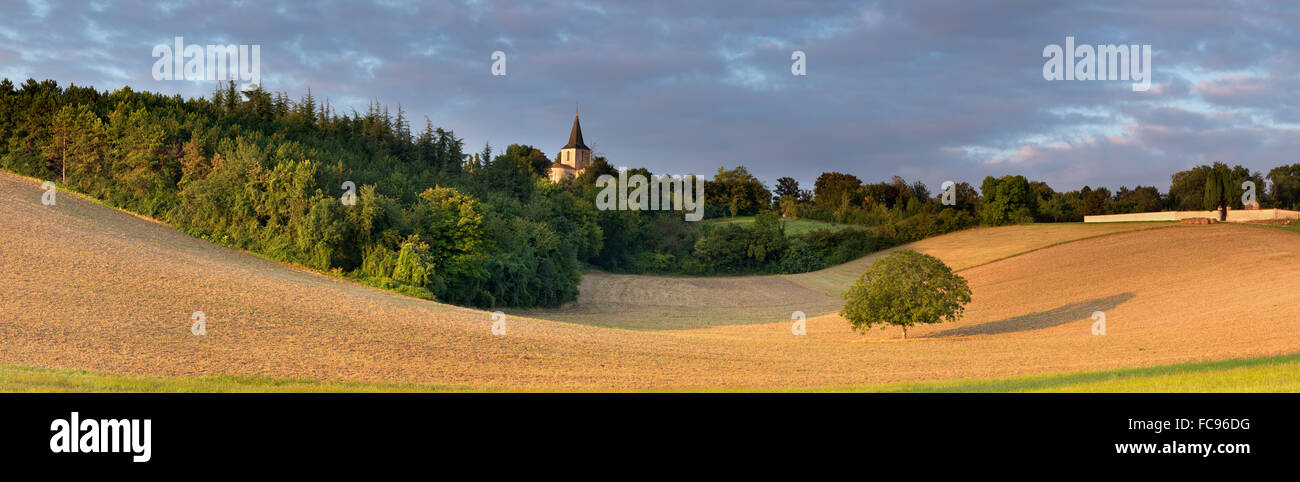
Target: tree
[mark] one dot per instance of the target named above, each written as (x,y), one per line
(1007,200)
(829,189)
(531,157)
(786,186)
(1094,201)
(134,145)
(737,191)
(789,206)
(1187,188)
(882,193)
(599,167)
(1219,189)
(76,139)
(512,172)
(965,198)
(1285,182)
(903,289)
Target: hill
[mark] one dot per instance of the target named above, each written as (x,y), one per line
(86,287)
(682,302)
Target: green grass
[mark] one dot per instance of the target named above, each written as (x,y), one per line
(28,379)
(1293,227)
(1264,374)
(792,226)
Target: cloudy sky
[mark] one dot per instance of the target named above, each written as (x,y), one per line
(931,91)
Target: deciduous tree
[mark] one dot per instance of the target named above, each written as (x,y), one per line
(904,289)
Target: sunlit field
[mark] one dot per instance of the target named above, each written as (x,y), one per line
(91,288)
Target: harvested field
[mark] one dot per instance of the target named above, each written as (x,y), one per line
(668,302)
(86,287)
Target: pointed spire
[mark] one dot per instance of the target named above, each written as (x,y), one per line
(575,135)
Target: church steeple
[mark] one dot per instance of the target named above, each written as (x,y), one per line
(575,135)
(574,156)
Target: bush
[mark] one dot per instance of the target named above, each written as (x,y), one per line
(800,258)
(25,163)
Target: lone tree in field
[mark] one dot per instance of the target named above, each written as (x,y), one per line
(1219,190)
(903,289)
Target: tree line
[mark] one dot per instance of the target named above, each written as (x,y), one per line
(257,171)
(261,172)
(1010,199)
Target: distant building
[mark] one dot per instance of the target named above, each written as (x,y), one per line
(574,156)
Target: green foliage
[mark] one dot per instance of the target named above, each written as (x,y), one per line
(905,288)
(1187,189)
(734,248)
(1218,188)
(735,192)
(831,188)
(789,206)
(256,171)
(1285,182)
(1007,200)
(836,247)
(786,187)
(413,266)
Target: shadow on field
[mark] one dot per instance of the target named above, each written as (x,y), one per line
(1043,319)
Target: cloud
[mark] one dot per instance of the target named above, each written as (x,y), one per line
(928,90)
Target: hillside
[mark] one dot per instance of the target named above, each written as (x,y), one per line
(87,287)
(667,302)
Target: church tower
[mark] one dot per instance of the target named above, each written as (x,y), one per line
(574,156)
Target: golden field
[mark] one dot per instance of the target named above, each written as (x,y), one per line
(86,287)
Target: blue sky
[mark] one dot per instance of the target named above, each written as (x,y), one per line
(931,91)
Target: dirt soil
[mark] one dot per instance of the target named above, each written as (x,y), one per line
(83,286)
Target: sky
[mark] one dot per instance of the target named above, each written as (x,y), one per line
(930,91)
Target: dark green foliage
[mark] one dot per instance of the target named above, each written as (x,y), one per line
(1187,188)
(1140,199)
(1218,189)
(786,186)
(1285,182)
(1007,200)
(255,171)
(735,192)
(832,188)
(736,248)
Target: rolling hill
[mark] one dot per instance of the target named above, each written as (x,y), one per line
(86,287)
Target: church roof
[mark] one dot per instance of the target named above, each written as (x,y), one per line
(575,136)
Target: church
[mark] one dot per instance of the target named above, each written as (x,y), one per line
(574,156)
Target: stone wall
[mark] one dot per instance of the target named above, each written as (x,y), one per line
(1234,216)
